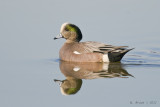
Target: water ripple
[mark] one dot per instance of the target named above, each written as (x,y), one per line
(147,58)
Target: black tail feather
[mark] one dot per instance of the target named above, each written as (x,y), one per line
(117,56)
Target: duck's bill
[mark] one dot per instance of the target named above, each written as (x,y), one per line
(58,81)
(58,36)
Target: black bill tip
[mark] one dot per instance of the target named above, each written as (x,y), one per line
(54,38)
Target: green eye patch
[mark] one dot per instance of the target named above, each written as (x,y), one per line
(72,28)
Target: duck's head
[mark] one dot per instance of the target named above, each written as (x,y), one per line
(70,32)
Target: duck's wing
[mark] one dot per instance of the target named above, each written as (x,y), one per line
(91,46)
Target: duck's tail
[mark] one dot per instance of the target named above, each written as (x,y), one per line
(117,56)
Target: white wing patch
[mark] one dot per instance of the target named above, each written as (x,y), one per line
(105,66)
(75,52)
(76,69)
(105,58)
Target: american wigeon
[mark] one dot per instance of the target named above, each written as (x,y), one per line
(92,70)
(76,71)
(75,51)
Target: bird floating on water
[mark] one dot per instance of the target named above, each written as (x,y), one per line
(75,51)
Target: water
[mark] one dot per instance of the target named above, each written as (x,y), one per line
(31,72)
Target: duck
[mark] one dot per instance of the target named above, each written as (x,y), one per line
(90,51)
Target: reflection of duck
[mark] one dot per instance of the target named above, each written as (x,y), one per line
(75,71)
(70,85)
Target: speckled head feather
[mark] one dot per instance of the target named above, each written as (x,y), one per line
(71,32)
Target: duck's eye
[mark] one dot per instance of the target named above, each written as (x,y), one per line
(66,29)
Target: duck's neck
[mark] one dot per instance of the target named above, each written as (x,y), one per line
(71,41)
